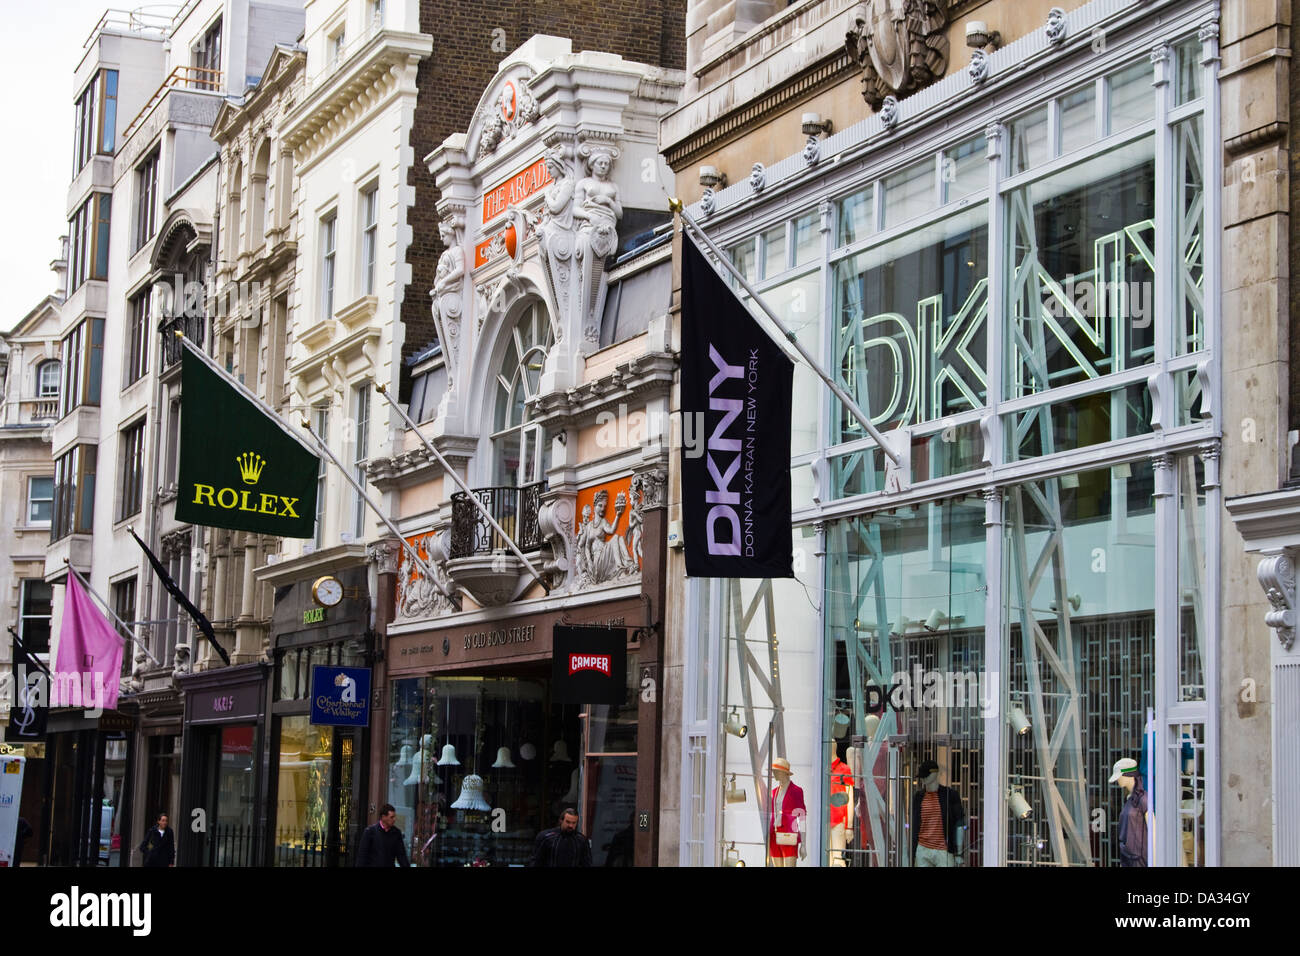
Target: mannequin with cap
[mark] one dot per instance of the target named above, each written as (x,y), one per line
(785,821)
(1133,814)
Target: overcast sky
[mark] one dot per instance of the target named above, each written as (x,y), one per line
(39,48)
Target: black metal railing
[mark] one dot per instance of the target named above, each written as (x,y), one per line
(193,327)
(232,845)
(514,509)
(305,849)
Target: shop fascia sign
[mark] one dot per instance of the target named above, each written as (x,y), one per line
(514,189)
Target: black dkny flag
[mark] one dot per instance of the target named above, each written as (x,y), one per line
(238,468)
(736,398)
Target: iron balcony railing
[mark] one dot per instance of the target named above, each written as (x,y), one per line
(514,509)
(193,327)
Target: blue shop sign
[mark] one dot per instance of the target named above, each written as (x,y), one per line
(340,696)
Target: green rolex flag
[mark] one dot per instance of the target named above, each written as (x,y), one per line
(239,468)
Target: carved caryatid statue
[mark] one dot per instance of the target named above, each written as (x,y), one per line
(448,293)
(556,234)
(597,210)
(900,46)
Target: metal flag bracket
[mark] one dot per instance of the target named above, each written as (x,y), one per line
(897,468)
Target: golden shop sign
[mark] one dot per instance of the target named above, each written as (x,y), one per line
(515,189)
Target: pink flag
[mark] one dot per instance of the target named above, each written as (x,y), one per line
(89,661)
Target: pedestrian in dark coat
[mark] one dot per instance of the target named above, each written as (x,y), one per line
(159,845)
(382,843)
(563,845)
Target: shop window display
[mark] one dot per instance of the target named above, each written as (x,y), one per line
(767,633)
(478,766)
(1079,658)
(906,679)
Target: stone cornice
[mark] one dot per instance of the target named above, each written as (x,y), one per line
(639,378)
(285,66)
(740,121)
(387,65)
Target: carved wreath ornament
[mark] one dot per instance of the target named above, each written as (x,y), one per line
(900,46)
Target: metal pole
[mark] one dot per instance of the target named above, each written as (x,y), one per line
(834,386)
(419,562)
(460,482)
(120,623)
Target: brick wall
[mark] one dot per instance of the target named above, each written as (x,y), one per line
(463,64)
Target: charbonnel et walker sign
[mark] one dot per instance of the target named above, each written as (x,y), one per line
(240,467)
(340,696)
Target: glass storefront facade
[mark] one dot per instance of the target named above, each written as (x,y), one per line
(1023,306)
(480,765)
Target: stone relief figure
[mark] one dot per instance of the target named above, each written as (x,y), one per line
(493,131)
(900,46)
(556,234)
(419,597)
(597,209)
(448,283)
(603,555)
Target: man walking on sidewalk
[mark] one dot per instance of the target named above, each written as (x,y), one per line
(382,843)
(563,845)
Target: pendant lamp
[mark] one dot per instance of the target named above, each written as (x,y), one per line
(471,795)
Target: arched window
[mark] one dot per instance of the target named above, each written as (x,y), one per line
(261,171)
(47,379)
(520,452)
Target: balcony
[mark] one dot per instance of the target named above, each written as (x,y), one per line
(192,325)
(480,560)
(183,77)
(470,532)
(34,410)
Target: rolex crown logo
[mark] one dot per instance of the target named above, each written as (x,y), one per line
(250,466)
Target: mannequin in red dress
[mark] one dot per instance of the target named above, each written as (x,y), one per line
(785,844)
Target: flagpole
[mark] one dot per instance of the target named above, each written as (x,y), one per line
(406,546)
(680,208)
(120,623)
(460,482)
(230,380)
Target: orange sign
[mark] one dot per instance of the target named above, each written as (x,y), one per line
(484,253)
(515,189)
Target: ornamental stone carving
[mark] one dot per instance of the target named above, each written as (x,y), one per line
(757,177)
(979,66)
(650,489)
(596,210)
(417,596)
(708,202)
(555,521)
(512,110)
(556,233)
(1277,577)
(1056,28)
(448,294)
(603,556)
(899,45)
(889,112)
(384,556)
(812,151)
